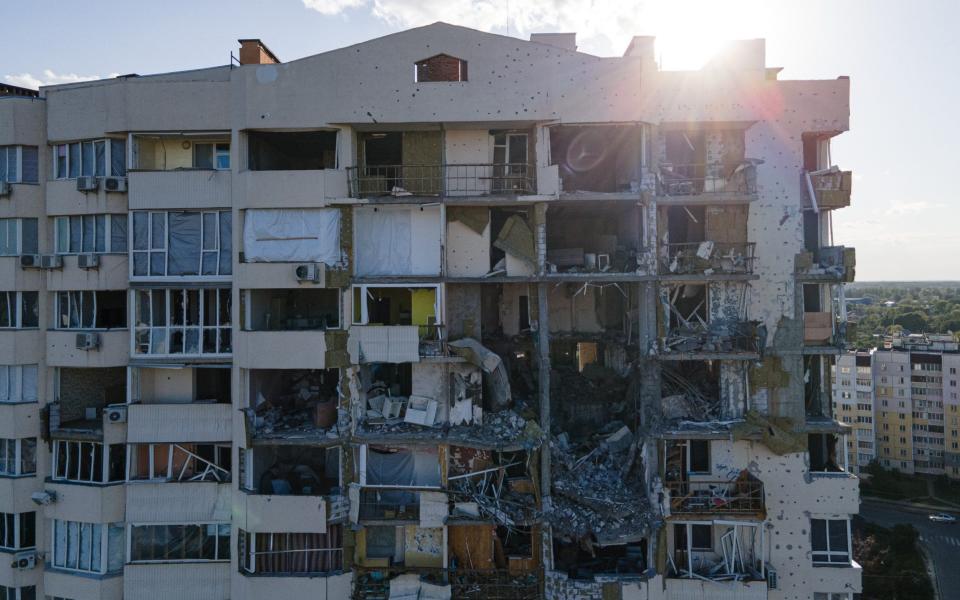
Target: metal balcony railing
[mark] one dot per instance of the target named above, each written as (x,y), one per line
(480,179)
(716,497)
(708,178)
(465,584)
(709,257)
(389,505)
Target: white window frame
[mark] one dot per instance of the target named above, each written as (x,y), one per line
(17,467)
(74,448)
(79,296)
(165,472)
(14,377)
(107,157)
(248,561)
(104,537)
(216,545)
(248,311)
(17,527)
(18,593)
(164,249)
(845,554)
(64,222)
(364,317)
(17,315)
(16,151)
(168,329)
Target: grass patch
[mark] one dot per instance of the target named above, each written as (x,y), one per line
(892,485)
(893,568)
(945,489)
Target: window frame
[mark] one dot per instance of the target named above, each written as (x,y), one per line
(827,552)
(104,543)
(16,317)
(163,473)
(18,464)
(18,223)
(92,143)
(109,227)
(74,448)
(9,592)
(164,250)
(72,306)
(18,531)
(221,541)
(247,552)
(14,154)
(167,329)
(15,384)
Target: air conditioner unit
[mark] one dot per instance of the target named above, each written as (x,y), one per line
(89,340)
(44,498)
(115,184)
(116,413)
(87,184)
(51,261)
(309,272)
(24,560)
(29,261)
(771,578)
(5,188)
(88,261)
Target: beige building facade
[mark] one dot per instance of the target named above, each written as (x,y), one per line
(442,314)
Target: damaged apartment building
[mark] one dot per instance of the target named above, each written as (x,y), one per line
(443,314)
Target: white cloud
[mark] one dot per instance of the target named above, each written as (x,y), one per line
(48,77)
(908,208)
(601,25)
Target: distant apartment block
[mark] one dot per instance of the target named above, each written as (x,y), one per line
(443,314)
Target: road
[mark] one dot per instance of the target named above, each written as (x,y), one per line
(941,541)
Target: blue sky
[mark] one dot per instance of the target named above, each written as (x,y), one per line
(902,58)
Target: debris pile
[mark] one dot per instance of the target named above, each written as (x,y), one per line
(600,492)
(715,337)
(684,399)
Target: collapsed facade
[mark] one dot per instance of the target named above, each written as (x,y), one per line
(372,324)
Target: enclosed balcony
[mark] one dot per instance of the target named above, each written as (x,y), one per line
(396,323)
(180,170)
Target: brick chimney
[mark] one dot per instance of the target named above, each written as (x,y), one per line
(255,52)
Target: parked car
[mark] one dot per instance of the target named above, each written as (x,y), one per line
(943,518)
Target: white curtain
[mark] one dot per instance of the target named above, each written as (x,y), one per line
(383,241)
(282,235)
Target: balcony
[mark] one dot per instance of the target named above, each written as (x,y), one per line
(298,189)
(385,505)
(179,189)
(64,199)
(185,581)
(395,343)
(113,349)
(696,589)
(443,180)
(86,503)
(66,584)
(292,406)
(831,189)
(459,583)
(177,502)
(707,258)
(277,512)
(818,329)
(741,497)
(714,182)
(196,422)
(827,264)
(733,340)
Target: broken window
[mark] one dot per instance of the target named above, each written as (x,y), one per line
(823,453)
(293,309)
(699,456)
(830,541)
(177,152)
(183,321)
(182,243)
(816,402)
(85,462)
(292,470)
(598,158)
(511,167)
(179,462)
(704,240)
(400,240)
(18,457)
(180,543)
(92,310)
(291,150)
(291,553)
(18,383)
(690,390)
(695,161)
(688,308)
(18,531)
(512,250)
(292,235)
(582,562)
(398,305)
(19,310)
(441,67)
(594,237)
(79,546)
(381,541)
(399,163)
(400,467)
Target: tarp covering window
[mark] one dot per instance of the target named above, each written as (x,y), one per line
(184,248)
(407,468)
(397,241)
(307,235)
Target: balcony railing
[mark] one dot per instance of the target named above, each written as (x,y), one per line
(465,584)
(709,178)
(707,257)
(480,179)
(716,497)
(389,505)
(713,338)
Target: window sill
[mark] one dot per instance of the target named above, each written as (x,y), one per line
(310,574)
(20,476)
(86,574)
(846,565)
(82,483)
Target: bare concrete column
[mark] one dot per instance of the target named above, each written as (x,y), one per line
(540,235)
(543,355)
